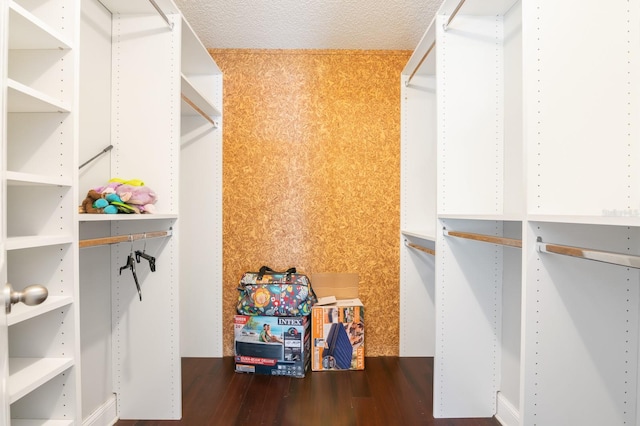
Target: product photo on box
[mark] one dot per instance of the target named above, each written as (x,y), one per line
(337,329)
(277,346)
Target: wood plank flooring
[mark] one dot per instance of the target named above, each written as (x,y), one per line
(390,391)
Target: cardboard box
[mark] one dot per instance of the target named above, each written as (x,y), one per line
(337,328)
(285,353)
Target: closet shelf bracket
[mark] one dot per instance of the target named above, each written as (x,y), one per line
(621,259)
(510,242)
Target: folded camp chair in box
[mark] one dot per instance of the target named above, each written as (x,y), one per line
(338,347)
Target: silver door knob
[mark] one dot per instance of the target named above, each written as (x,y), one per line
(30,295)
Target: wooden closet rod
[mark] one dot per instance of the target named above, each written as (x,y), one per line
(421,248)
(453,15)
(406,83)
(155,5)
(444,26)
(621,259)
(123,238)
(511,242)
(197,109)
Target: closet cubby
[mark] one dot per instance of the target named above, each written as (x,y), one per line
(56,16)
(49,352)
(37,407)
(536,259)
(25,207)
(478,272)
(50,266)
(478,167)
(581,322)
(582,116)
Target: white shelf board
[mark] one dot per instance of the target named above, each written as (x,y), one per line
(19,178)
(499,217)
(26,31)
(423,235)
(21,312)
(27,374)
(195,57)
(40,422)
(198,99)
(88,217)
(478,8)
(139,7)
(621,220)
(22,98)
(17,243)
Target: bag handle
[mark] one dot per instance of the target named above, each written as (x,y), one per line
(266,269)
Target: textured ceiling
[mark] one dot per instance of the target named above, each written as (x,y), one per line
(309,24)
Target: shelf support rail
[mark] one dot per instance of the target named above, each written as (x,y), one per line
(124,238)
(157,8)
(620,259)
(510,242)
(420,248)
(445,26)
(406,83)
(198,110)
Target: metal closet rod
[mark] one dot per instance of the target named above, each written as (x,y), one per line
(511,242)
(445,26)
(166,19)
(421,248)
(621,259)
(197,109)
(124,238)
(107,149)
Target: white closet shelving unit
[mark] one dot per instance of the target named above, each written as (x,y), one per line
(418,202)
(164,98)
(536,156)
(39,142)
(77,77)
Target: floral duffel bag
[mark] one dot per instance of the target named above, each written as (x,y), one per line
(272,293)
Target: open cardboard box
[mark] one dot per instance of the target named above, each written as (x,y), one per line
(337,323)
(331,287)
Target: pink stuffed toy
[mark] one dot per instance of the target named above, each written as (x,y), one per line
(142,197)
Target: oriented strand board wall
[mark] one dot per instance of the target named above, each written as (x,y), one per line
(312,173)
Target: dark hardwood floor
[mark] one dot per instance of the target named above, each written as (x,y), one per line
(390,391)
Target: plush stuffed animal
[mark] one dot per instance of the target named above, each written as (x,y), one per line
(94,203)
(119,195)
(115,201)
(141,197)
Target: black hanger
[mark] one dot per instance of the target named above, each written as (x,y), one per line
(132,265)
(144,255)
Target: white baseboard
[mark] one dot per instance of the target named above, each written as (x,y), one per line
(105,415)
(507,414)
